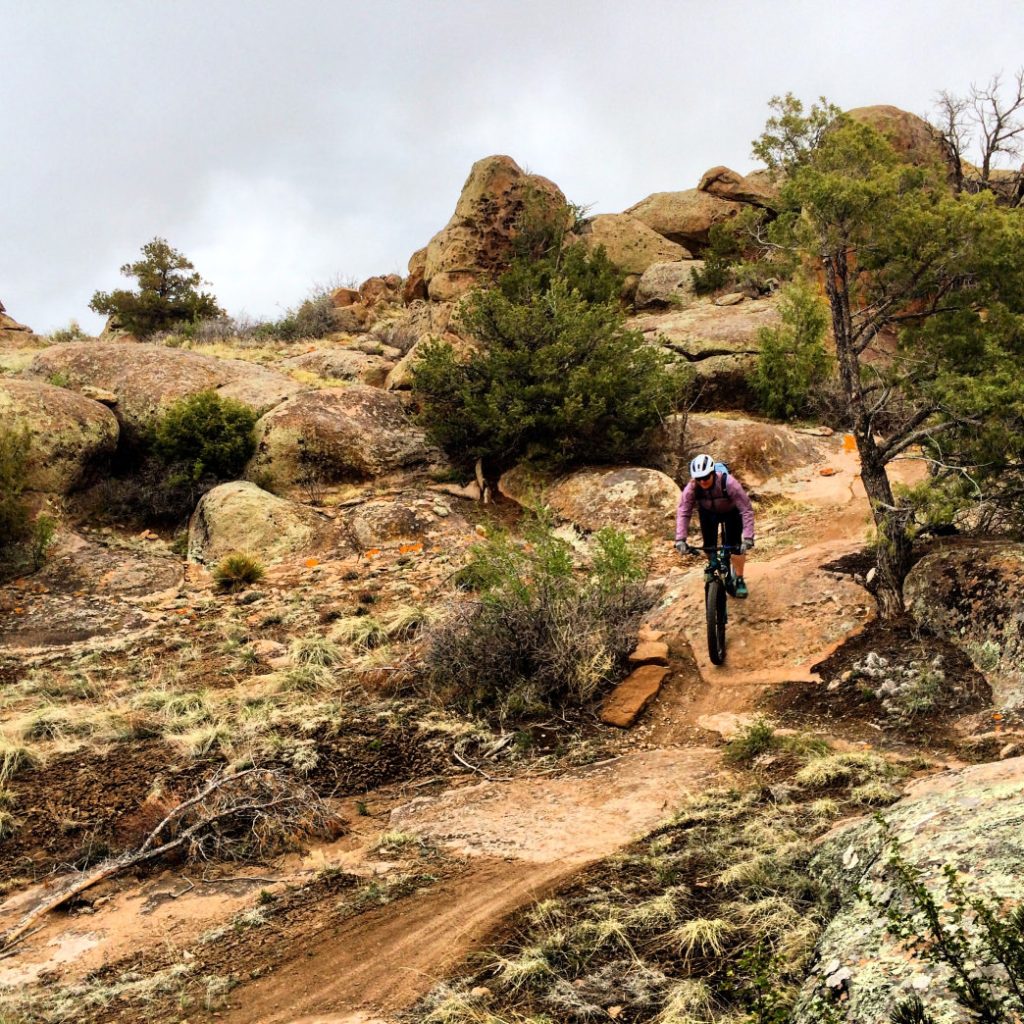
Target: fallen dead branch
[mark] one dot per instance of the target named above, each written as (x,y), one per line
(244,815)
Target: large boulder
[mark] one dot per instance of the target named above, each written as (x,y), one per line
(757,189)
(967,820)
(642,501)
(346,364)
(667,284)
(972,595)
(12,333)
(239,516)
(754,451)
(336,434)
(69,436)
(685,217)
(911,136)
(630,244)
(146,379)
(477,241)
(719,342)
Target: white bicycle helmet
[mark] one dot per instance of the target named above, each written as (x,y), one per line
(702,466)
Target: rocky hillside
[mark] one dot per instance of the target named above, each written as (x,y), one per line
(238,783)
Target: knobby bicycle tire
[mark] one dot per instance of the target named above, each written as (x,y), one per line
(715,613)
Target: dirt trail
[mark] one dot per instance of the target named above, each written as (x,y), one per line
(522,836)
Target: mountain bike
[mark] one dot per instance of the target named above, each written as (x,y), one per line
(718,582)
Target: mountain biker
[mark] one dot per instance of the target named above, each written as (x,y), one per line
(720,498)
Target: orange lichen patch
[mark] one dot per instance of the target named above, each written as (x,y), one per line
(406,549)
(849,443)
(181,611)
(312,562)
(19,611)
(372,552)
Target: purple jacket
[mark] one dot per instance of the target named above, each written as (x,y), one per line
(716,500)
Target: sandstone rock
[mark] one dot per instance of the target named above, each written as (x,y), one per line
(239,516)
(148,378)
(400,377)
(376,523)
(684,217)
(477,241)
(720,342)
(342,297)
(730,299)
(753,450)
(337,434)
(757,189)
(911,136)
(70,436)
(668,284)
(630,244)
(623,706)
(13,333)
(344,364)
(375,291)
(972,595)
(650,652)
(642,501)
(969,820)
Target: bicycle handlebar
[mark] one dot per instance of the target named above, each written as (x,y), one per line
(693,550)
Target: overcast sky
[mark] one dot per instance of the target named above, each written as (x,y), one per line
(281,145)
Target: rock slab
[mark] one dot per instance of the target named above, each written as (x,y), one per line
(650,652)
(625,703)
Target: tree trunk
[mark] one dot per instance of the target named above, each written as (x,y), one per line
(894,545)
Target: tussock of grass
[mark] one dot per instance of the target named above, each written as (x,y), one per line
(8,824)
(236,572)
(15,759)
(524,971)
(658,912)
(405,621)
(831,770)
(201,741)
(702,936)
(363,632)
(874,794)
(316,651)
(687,1002)
(395,842)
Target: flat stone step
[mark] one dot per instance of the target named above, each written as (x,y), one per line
(650,653)
(624,704)
(645,634)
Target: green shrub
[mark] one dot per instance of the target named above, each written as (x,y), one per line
(557,379)
(539,633)
(15,523)
(236,572)
(63,335)
(793,362)
(723,251)
(206,435)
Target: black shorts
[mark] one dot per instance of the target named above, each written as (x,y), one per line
(732,521)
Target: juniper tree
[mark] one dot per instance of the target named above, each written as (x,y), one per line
(925,292)
(167,294)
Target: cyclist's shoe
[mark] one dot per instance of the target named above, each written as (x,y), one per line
(741,587)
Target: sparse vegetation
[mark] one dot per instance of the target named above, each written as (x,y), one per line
(24,539)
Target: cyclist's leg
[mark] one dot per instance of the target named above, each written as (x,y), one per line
(733,523)
(708,530)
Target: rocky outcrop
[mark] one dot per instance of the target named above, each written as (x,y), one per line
(69,436)
(477,241)
(972,595)
(969,820)
(12,333)
(239,516)
(148,378)
(336,434)
(344,364)
(630,244)
(400,378)
(753,450)
(911,136)
(684,217)
(719,342)
(642,501)
(667,284)
(757,189)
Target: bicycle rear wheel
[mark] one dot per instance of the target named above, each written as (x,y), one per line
(715,614)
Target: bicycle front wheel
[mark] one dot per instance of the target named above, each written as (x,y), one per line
(715,613)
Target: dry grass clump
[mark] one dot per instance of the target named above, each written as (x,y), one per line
(15,759)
